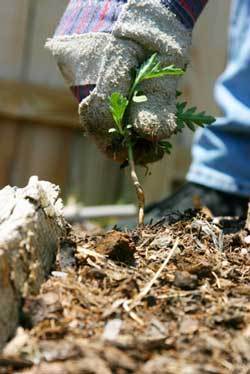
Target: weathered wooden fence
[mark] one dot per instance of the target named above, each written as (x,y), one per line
(40,133)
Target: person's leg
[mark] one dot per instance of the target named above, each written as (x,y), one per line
(221,152)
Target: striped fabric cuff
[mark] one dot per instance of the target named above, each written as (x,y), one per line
(83,16)
(187,11)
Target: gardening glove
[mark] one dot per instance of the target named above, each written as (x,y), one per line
(104,61)
(143,27)
(79,58)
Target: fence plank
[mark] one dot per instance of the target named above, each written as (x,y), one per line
(12,37)
(42,66)
(44,152)
(41,104)
(8,141)
(93,179)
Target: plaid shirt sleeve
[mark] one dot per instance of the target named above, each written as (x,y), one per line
(83,16)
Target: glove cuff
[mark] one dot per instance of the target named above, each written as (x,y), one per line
(153,26)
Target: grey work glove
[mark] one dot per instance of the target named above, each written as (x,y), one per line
(144,27)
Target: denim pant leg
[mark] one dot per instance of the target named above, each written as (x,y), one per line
(221,152)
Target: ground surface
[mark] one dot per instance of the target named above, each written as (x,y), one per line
(170,298)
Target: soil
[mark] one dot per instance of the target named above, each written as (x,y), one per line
(173,297)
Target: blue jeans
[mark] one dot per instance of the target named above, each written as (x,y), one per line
(221,152)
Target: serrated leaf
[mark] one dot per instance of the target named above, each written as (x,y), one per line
(190,124)
(150,69)
(118,105)
(190,118)
(162,72)
(192,110)
(166,146)
(146,67)
(181,106)
(180,125)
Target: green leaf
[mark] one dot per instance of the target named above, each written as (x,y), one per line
(118,105)
(146,67)
(150,69)
(166,146)
(158,72)
(181,106)
(180,124)
(189,117)
(191,110)
(190,124)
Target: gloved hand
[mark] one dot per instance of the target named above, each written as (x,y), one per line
(144,27)
(104,61)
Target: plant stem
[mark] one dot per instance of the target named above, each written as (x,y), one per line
(137,185)
(132,90)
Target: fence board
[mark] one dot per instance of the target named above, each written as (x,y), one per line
(44,152)
(93,179)
(12,37)
(8,141)
(38,104)
(42,66)
(166,174)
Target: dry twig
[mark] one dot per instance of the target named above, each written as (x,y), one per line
(148,287)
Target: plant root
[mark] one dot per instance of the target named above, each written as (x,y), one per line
(138,188)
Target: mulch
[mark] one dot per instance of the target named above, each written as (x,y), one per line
(173,297)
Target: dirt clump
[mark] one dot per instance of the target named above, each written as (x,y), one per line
(117,246)
(166,298)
